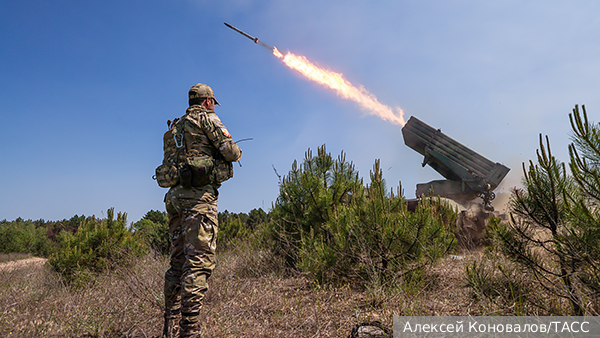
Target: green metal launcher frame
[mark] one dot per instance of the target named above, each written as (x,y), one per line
(468,174)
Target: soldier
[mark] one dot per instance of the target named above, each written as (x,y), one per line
(198,156)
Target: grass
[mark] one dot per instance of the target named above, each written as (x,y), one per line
(250,296)
(35,303)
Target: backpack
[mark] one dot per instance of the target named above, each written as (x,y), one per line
(167,174)
(189,171)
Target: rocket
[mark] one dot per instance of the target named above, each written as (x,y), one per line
(242,32)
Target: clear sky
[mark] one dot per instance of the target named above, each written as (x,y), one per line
(87,88)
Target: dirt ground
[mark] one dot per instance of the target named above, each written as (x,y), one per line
(22,263)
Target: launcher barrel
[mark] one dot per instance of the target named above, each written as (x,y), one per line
(468,174)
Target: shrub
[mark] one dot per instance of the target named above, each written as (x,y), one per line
(308,197)
(232,228)
(153,228)
(22,236)
(54,228)
(554,233)
(256,217)
(327,223)
(96,246)
(235,227)
(502,283)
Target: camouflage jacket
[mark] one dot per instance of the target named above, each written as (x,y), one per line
(205,134)
(202,135)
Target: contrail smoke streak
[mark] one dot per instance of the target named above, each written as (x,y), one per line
(342,87)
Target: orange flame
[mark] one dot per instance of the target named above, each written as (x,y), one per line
(342,87)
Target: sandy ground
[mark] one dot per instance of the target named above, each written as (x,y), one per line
(22,263)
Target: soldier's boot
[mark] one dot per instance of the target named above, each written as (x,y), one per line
(171,328)
(190,327)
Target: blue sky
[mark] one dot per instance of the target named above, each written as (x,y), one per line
(87,87)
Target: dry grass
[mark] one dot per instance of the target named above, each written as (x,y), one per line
(249,297)
(34,302)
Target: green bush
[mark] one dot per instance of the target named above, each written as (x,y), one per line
(153,228)
(554,233)
(501,283)
(22,236)
(97,245)
(54,228)
(327,223)
(235,227)
(256,217)
(232,228)
(308,197)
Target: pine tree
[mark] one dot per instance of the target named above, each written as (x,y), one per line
(554,232)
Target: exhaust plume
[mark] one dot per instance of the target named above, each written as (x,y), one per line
(342,87)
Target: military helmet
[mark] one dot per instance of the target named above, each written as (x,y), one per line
(201,91)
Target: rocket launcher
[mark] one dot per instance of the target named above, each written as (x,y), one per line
(468,174)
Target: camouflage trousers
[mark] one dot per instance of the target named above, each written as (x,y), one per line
(193,228)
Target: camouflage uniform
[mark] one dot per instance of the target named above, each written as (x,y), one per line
(193,223)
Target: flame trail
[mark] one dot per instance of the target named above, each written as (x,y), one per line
(342,87)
